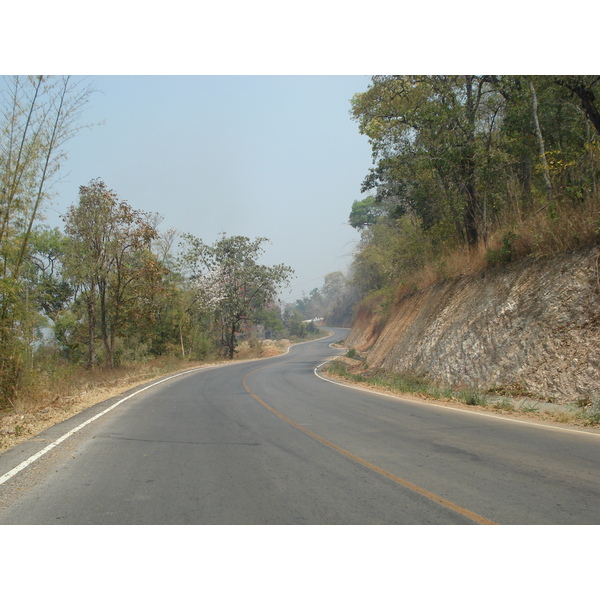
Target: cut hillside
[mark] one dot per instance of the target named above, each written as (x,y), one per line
(531,326)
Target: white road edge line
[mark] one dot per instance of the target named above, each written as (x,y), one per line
(4,478)
(481,414)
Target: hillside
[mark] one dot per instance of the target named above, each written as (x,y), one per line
(531,326)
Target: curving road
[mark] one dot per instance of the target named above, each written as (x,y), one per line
(269,442)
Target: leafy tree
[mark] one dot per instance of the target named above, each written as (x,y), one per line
(38,115)
(467,159)
(110,261)
(270,318)
(365,212)
(52,291)
(587,89)
(423,131)
(230,282)
(292,321)
(333,284)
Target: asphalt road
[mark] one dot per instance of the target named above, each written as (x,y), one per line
(269,442)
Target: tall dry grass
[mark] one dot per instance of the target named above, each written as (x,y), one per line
(566,228)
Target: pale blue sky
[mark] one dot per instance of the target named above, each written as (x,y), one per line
(271,156)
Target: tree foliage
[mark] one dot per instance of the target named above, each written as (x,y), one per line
(230,283)
(459,158)
(110,263)
(38,115)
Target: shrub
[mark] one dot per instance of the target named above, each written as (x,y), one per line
(472,398)
(592,412)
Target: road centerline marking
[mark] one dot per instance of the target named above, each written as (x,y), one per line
(399,480)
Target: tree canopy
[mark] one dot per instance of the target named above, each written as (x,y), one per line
(459,159)
(231,283)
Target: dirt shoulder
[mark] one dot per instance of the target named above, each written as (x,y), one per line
(25,422)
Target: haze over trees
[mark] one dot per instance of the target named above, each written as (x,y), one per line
(333,302)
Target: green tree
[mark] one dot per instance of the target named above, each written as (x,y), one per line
(47,285)
(110,261)
(292,321)
(38,115)
(462,161)
(231,283)
(365,212)
(424,134)
(270,318)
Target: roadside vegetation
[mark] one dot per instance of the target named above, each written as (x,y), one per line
(471,172)
(351,368)
(58,390)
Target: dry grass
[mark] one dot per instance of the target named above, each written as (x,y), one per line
(55,397)
(61,391)
(457,262)
(570,227)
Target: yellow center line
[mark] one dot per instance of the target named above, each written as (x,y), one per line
(403,482)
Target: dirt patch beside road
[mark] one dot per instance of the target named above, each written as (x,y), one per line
(19,425)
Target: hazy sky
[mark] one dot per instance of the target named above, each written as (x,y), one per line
(270,156)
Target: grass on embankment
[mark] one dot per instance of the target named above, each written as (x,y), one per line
(350,368)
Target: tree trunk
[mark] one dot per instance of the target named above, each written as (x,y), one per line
(542,147)
(525,176)
(106,335)
(469,168)
(470,213)
(181,341)
(91,307)
(231,341)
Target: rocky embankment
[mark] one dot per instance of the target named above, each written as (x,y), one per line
(532,327)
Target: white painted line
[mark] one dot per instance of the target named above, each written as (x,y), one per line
(4,478)
(435,405)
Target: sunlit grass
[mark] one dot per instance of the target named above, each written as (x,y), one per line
(587,415)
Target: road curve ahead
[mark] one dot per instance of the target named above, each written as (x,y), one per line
(269,442)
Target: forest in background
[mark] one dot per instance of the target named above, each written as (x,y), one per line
(469,171)
(473,171)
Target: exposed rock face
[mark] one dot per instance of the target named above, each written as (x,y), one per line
(535,325)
